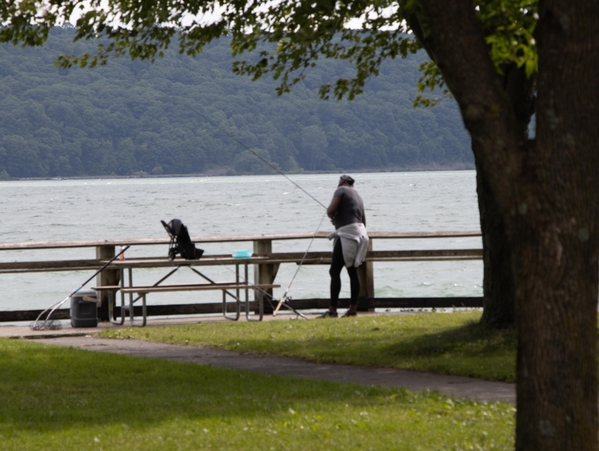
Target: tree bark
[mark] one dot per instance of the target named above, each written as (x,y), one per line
(547,194)
(555,243)
(498,281)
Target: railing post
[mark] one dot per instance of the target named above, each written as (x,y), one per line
(106,277)
(264,273)
(366,273)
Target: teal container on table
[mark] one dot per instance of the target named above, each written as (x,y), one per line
(242,254)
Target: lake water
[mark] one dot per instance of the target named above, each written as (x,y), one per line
(53,210)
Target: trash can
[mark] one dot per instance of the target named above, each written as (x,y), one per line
(84,309)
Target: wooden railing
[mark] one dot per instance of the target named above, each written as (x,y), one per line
(266,264)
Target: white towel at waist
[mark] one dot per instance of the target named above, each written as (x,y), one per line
(354,243)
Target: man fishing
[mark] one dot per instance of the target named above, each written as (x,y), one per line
(346,211)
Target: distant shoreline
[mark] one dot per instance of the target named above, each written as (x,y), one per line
(225,172)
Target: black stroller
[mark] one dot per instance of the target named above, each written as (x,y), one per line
(180,241)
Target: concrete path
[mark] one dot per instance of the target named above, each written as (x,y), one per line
(463,387)
(457,386)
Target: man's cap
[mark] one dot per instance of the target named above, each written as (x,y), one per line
(347,178)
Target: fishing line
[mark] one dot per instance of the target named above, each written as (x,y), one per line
(269,297)
(265,161)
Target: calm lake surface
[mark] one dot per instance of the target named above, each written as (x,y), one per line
(54,210)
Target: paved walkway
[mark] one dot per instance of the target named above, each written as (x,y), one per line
(457,386)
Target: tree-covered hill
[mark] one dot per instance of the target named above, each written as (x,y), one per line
(185,115)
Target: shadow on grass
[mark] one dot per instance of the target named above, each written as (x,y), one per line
(470,340)
(469,350)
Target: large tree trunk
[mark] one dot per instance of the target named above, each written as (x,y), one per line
(554,239)
(547,194)
(498,281)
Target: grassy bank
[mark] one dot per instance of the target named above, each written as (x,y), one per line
(447,343)
(65,399)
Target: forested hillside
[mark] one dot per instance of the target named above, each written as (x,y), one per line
(188,116)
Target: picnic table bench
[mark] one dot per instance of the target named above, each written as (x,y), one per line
(134,293)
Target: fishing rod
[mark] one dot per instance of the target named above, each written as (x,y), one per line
(283,301)
(285,298)
(51,325)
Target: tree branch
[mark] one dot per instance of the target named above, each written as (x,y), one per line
(456,39)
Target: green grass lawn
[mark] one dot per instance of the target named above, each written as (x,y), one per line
(447,343)
(64,399)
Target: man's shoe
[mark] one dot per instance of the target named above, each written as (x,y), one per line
(328,314)
(349,313)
